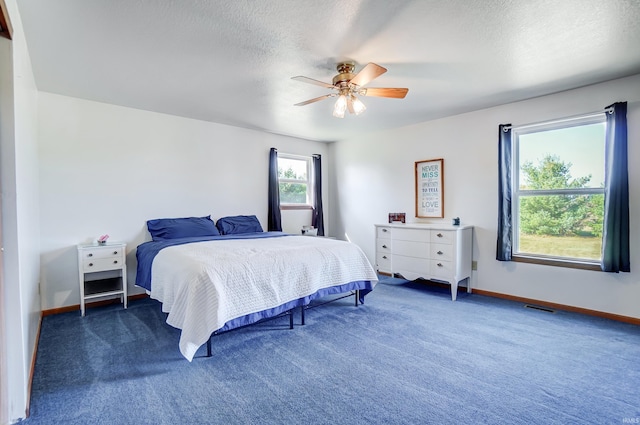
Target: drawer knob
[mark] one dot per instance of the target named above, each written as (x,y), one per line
(439,235)
(385,230)
(384,256)
(115,261)
(90,264)
(384,246)
(115,252)
(440,252)
(439,264)
(90,255)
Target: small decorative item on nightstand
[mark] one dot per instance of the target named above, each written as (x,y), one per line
(96,265)
(309,231)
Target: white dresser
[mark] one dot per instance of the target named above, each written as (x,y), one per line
(94,259)
(438,252)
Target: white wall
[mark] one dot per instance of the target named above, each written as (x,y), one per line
(375,176)
(293,220)
(20,214)
(109,169)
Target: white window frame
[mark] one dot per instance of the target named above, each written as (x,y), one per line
(309,182)
(517,193)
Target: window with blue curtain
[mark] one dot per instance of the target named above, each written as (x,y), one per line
(563,192)
(295,182)
(295,178)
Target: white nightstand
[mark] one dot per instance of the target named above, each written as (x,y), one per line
(94,259)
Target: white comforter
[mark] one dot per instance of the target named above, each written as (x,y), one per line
(203,285)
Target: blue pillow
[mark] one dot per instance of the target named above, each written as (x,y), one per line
(239,224)
(173,228)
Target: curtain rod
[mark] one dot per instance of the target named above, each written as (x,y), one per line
(571,118)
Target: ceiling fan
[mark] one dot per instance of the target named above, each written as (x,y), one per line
(347,85)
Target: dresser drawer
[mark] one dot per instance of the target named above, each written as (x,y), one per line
(102,264)
(383,233)
(442,236)
(411,249)
(440,251)
(106,252)
(442,269)
(383,262)
(415,235)
(383,245)
(410,267)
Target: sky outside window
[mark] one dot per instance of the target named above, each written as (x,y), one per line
(582,146)
(298,166)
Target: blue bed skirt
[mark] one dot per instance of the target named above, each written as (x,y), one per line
(364,286)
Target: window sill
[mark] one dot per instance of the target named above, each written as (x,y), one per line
(295,207)
(556,262)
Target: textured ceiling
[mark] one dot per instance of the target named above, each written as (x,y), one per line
(231,61)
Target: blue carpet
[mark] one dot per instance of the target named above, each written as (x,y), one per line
(408,356)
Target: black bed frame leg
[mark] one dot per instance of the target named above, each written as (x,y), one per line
(291,319)
(302,314)
(357,296)
(209,347)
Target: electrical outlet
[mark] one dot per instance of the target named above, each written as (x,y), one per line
(474,265)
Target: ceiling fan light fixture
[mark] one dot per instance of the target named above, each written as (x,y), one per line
(358,106)
(340,107)
(348,85)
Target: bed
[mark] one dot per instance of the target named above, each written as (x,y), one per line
(210,283)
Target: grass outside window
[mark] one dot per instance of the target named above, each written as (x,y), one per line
(582,247)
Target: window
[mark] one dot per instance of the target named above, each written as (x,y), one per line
(294,181)
(558,190)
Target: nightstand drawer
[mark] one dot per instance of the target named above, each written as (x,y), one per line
(102,252)
(101,264)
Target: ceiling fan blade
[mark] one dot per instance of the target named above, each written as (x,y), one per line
(367,74)
(312,81)
(396,93)
(315,99)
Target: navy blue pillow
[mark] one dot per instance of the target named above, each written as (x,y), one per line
(238,224)
(173,228)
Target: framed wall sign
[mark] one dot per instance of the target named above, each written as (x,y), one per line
(430,188)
